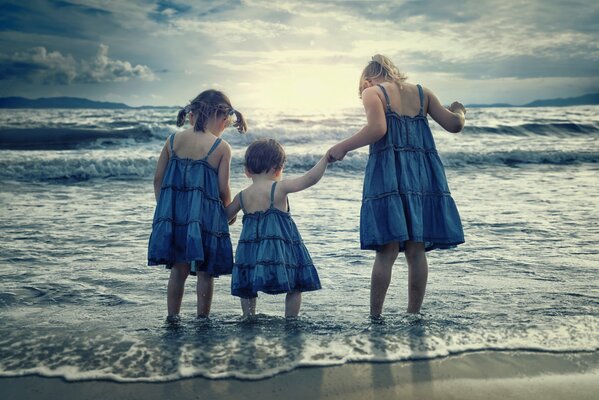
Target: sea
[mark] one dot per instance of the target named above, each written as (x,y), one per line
(78,301)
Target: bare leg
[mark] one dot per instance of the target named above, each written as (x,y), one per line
(381,277)
(293,301)
(205,288)
(175,288)
(417,275)
(248,306)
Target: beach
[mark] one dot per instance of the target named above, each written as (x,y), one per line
(484,375)
(511,313)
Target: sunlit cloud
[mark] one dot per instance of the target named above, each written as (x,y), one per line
(240,31)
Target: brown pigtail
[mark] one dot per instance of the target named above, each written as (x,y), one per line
(181,117)
(240,124)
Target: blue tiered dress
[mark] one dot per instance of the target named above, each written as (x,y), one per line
(271,256)
(190,224)
(405,194)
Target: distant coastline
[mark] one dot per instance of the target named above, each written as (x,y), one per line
(77,102)
(66,102)
(584,100)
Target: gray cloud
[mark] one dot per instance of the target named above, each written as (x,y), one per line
(517,66)
(56,18)
(89,10)
(53,68)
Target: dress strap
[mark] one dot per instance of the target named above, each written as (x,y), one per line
(214,146)
(421,94)
(241,201)
(171,140)
(272,194)
(386,96)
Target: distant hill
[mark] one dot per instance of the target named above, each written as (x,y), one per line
(587,99)
(77,102)
(64,102)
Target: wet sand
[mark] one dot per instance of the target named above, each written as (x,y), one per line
(484,375)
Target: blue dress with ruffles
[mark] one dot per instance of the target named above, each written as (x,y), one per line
(405,195)
(271,256)
(190,224)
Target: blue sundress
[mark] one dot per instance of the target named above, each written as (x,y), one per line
(271,256)
(406,196)
(190,224)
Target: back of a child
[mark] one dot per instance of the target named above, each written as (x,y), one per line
(271,256)
(405,161)
(406,202)
(190,232)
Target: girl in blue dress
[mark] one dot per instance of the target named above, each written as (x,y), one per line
(190,233)
(271,256)
(406,203)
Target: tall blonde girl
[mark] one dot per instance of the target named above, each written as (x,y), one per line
(406,203)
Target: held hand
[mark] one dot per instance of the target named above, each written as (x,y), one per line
(456,106)
(232,221)
(336,153)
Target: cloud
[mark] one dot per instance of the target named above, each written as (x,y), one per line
(167,9)
(38,65)
(90,10)
(495,42)
(242,30)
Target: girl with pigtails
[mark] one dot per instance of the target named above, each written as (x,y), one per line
(190,232)
(406,203)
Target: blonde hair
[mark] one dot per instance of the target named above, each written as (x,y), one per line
(380,67)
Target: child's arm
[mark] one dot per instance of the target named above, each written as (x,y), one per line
(160,169)
(452,119)
(310,178)
(232,209)
(224,170)
(375,128)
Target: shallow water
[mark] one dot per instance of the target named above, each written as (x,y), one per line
(78,301)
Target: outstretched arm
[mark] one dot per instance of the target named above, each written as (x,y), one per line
(310,178)
(375,128)
(452,119)
(160,169)
(232,209)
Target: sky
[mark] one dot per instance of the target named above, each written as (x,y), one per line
(305,55)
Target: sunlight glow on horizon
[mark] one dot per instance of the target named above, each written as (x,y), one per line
(301,87)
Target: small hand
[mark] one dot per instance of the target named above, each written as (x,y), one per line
(232,221)
(336,153)
(456,106)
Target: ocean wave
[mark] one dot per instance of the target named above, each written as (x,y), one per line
(86,168)
(78,169)
(516,157)
(67,138)
(559,129)
(357,161)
